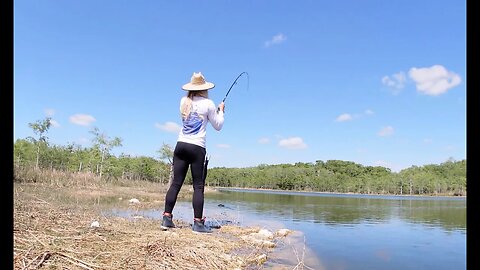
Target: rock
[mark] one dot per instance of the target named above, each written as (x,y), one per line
(253,239)
(260,259)
(133,200)
(95,224)
(269,244)
(283,232)
(265,234)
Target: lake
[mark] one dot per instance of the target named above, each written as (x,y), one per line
(343,231)
(360,231)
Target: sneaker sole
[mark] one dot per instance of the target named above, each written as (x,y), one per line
(166,228)
(201,232)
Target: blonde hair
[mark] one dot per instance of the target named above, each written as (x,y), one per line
(187,105)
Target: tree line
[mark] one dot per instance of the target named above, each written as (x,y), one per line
(447,178)
(38,153)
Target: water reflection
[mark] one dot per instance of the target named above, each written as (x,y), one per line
(346,231)
(361,231)
(450,214)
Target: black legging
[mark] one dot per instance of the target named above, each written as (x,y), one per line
(186,154)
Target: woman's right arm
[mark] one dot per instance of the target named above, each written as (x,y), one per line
(215,116)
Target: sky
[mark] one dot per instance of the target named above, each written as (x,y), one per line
(378,83)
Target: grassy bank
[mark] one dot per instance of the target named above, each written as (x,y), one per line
(54,213)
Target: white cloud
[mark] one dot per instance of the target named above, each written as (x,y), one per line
(434,80)
(82,119)
(396,82)
(49,112)
(263,140)
(349,117)
(344,117)
(277,39)
(54,123)
(386,131)
(222,145)
(292,143)
(169,127)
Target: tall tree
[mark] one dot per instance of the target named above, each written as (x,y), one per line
(105,144)
(166,152)
(40,127)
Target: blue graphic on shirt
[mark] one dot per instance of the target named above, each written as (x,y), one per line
(192,124)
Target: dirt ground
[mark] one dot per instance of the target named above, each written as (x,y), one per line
(59,227)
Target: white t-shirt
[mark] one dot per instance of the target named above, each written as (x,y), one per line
(194,128)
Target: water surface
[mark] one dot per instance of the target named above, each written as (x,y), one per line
(343,231)
(361,231)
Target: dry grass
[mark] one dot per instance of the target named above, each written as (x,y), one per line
(52,230)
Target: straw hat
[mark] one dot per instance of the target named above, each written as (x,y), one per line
(197,83)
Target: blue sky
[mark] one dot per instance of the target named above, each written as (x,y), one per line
(374,82)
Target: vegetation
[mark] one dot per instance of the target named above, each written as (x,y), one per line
(448,178)
(60,192)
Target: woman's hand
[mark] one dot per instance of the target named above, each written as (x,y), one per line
(221,107)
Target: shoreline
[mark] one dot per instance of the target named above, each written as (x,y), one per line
(277,257)
(68,226)
(332,193)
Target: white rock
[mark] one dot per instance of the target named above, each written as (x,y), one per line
(133,200)
(253,239)
(264,233)
(261,258)
(269,244)
(95,224)
(283,232)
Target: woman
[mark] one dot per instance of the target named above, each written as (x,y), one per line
(196,110)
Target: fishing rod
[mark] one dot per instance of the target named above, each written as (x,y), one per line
(231,86)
